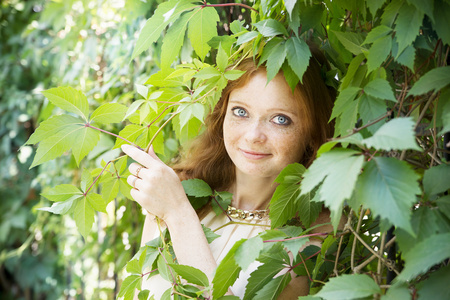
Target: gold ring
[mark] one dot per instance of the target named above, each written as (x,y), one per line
(134,182)
(138,170)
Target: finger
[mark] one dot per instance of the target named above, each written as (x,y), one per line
(137,169)
(152,153)
(133,181)
(138,155)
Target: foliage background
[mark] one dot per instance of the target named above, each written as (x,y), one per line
(88,45)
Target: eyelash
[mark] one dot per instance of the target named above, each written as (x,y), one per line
(237,108)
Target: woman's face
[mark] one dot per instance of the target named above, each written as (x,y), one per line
(262,127)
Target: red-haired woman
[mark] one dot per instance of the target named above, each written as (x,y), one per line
(255,130)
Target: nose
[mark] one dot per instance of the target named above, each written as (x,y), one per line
(256,133)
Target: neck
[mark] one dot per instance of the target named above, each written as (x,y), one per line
(252,193)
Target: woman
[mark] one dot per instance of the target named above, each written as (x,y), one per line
(255,130)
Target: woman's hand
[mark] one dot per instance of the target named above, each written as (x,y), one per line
(156,187)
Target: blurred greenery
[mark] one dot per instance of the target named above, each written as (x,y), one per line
(87,45)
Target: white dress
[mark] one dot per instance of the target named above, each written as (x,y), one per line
(229,234)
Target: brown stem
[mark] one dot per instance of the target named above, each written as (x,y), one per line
(98,176)
(298,237)
(113,134)
(228,4)
(355,130)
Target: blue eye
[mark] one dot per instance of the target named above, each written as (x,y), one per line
(240,112)
(281,120)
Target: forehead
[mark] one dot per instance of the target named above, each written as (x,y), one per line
(256,90)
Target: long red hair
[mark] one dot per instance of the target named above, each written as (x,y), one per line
(207,158)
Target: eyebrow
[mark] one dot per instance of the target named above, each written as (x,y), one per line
(277,109)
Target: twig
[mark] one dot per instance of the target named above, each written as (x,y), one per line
(220,206)
(228,4)
(383,240)
(158,131)
(352,257)
(337,257)
(168,267)
(367,261)
(388,264)
(113,134)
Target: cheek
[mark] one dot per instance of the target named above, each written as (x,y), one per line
(290,145)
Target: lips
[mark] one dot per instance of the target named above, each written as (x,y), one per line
(254,155)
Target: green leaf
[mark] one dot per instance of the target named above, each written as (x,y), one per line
(377,33)
(248,252)
(351,41)
(290,6)
(274,288)
(424,255)
(275,60)
(233,74)
(441,17)
(173,40)
(187,132)
(246,37)
(436,179)
(237,26)
(84,217)
(405,58)
(143,295)
(52,126)
(390,13)
(109,113)
(71,134)
(389,187)
(84,140)
(163,267)
(97,202)
(62,208)
(221,201)
(221,59)
(202,28)
(424,6)
(209,234)
(196,188)
(260,277)
(62,192)
(69,99)
(129,286)
(207,73)
(227,272)
(353,68)
(378,53)
(165,13)
(134,267)
(407,25)
(443,204)
(371,108)
(397,291)
(347,287)
(344,101)
(338,169)
(286,202)
(435,286)
(424,224)
(190,110)
(271,27)
(434,80)
(379,88)
(131,132)
(298,55)
(110,188)
(396,134)
(191,274)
